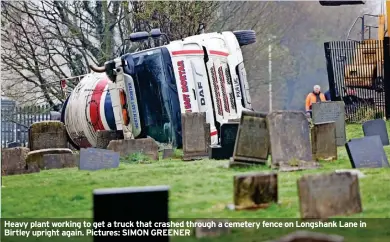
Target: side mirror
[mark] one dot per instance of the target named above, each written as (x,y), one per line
(139,36)
(155,33)
(339,3)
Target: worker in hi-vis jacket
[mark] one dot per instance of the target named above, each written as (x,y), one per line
(314,97)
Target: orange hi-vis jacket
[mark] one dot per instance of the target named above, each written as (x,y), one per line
(312,98)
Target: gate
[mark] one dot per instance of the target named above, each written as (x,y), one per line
(356,75)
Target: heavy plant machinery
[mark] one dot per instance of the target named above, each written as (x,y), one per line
(144,93)
(356,65)
(366,67)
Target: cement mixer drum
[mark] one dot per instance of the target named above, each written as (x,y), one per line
(87,110)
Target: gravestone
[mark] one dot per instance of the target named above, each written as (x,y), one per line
(167,153)
(367,152)
(290,141)
(14,145)
(306,236)
(55,115)
(146,146)
(228,136)
(252,140)
(331,112)
(36,156)
(196,136)
(255,190)
(103,137)
(202,232)
(327,195)
(59,161)
(47,135)
(13,161)
(93,159)
(130,205)
(323,141)
(376,127)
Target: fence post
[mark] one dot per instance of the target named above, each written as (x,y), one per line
(386,63)
(329,67)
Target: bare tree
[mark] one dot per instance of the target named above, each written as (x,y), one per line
(46,41)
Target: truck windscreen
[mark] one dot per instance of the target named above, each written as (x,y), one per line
(156,96)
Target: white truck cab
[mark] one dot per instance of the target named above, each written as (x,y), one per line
(211,77)
(144,93)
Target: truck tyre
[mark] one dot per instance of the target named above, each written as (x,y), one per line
(245,37)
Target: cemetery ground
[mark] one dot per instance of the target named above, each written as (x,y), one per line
(198,189)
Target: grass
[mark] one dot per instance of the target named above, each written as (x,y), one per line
(200,189)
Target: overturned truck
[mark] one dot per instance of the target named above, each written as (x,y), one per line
(144,93)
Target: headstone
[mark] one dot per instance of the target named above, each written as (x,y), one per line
(323,141)
(331,112)
(376,127)
(252,141)
(167,153)
(290,141)
(327,195)
(129,205)
(105,136)
(367,152)
(352,171)
(54,115)
(196,136)
(58,161)
(47,135)
(256,190)
(202,232)
(228,136)
(306,236)
(14,144)
(146,146)
(13,161)
(93,159)
(36,156)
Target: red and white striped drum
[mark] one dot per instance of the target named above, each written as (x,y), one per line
(88,109)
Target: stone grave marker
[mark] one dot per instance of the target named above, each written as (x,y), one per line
(326,195)
(36,156)
(93,159)
(367,152)
(201,232)
(228,136)
(252,140)
(59,161)
(14,145)
(147,146)
(323,141)
(129,205)
(331,112)
(290,141)
(105,136)
(167,153)
(376,127)
(55,115)
(47,135)
(255,190)
(196,136)
(13,161)
(306,236)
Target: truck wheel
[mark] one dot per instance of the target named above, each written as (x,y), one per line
(245,37)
